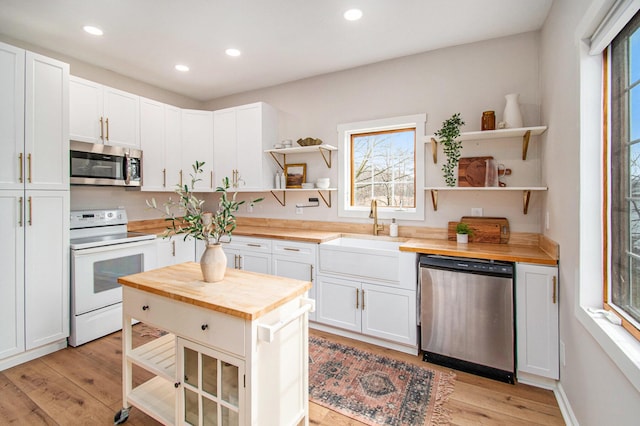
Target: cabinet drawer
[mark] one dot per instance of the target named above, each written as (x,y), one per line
(250,244)
(208,327)
(297,249)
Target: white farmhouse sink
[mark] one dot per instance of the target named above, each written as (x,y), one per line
(361,257)
(365,244)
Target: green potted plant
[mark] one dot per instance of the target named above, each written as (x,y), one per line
(451,147)
(195,222)
(463,230)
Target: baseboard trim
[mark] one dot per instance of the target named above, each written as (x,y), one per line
(32,354)
(363,338)
(565,407)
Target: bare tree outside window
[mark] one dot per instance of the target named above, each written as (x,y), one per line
(383,168)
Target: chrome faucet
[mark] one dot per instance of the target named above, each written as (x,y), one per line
(374,215)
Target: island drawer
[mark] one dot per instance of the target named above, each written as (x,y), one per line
(211,328)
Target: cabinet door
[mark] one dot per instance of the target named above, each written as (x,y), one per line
(250,151)
(46,267)
(339,303)
(46,123)
(197,145)
(172,145)
(255,262)
(389,313)
(121,111)
(233,257)
(12,281)
(174,250)
(224,145)
(152,143)
(11,117)
(85,111)
(537,320)
(213,391)
(296,260)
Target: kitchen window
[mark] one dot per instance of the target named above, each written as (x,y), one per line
(378,161)
(623,289)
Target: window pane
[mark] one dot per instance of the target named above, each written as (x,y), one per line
(634,170)
(634,107)
(383,168)
(634,57)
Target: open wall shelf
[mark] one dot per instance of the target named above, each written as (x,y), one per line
(324,150)
(526,193)
(283,198)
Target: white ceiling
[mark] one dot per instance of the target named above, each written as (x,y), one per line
(281,40)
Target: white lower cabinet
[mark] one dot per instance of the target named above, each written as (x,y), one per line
(175,249)
(34,295)
(371,309)
(249,254)
(537,348)
(296,260)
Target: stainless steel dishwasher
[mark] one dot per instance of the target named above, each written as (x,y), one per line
(467,315)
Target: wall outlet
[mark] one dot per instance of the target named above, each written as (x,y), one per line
(476,211)
(298,210)
(249,208)
(563,359)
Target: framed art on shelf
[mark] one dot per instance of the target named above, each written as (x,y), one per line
(296,174)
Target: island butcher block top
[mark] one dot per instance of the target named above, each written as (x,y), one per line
(242,294)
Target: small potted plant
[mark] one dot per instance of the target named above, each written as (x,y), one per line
(463,230)
(451,147)
(209,227)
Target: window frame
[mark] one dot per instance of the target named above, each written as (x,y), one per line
(609,182)
(345,132)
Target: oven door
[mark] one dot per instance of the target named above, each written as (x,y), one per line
(95,272)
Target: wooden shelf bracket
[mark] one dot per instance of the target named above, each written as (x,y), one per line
(525,145)
(323,152)
(284,160)
(434,199)
(526,196)
(327,203)
(434,150)
(282,202)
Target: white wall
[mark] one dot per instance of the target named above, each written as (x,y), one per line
(597,390)
(468,79)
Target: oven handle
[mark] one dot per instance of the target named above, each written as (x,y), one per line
(112,247)
(127,163)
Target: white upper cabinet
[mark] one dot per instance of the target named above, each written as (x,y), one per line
(241,134)
(11,116)
(101,114)
(197,145)
(172,145)
(34,114)
(152,143)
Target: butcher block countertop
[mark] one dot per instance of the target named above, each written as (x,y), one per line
(504,252)
(537,249)
(242,294)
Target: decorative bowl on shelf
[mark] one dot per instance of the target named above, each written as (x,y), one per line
(323,183)
(309,142)
(308,185)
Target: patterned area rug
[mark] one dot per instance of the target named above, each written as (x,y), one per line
(376,390)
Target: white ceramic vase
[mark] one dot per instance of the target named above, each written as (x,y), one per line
(512,115)
(213,263)
(462,238)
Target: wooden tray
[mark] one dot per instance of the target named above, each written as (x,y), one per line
(472,171)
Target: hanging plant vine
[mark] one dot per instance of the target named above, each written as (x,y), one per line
(451,147)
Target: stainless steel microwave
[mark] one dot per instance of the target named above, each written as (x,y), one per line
(98,164)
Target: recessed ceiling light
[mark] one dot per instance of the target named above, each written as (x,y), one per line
(93,30)
(353,14)
(181,67)
(232,52)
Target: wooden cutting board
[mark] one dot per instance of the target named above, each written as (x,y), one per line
(505,232)
(472,171)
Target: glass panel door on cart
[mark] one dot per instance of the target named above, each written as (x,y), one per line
(213,387)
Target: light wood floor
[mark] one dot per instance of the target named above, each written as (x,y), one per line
(83,386)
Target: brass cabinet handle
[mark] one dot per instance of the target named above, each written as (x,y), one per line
(254,245)
(107,121)
(20,167)
(21,212)
(291,249)
(180,177)
(164,178)
(554,289)
(29,167)
(101,128)
(211,179)
(30,212)
(357,298)
(363,299)
(173,248)
(311,273)
(239,261)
